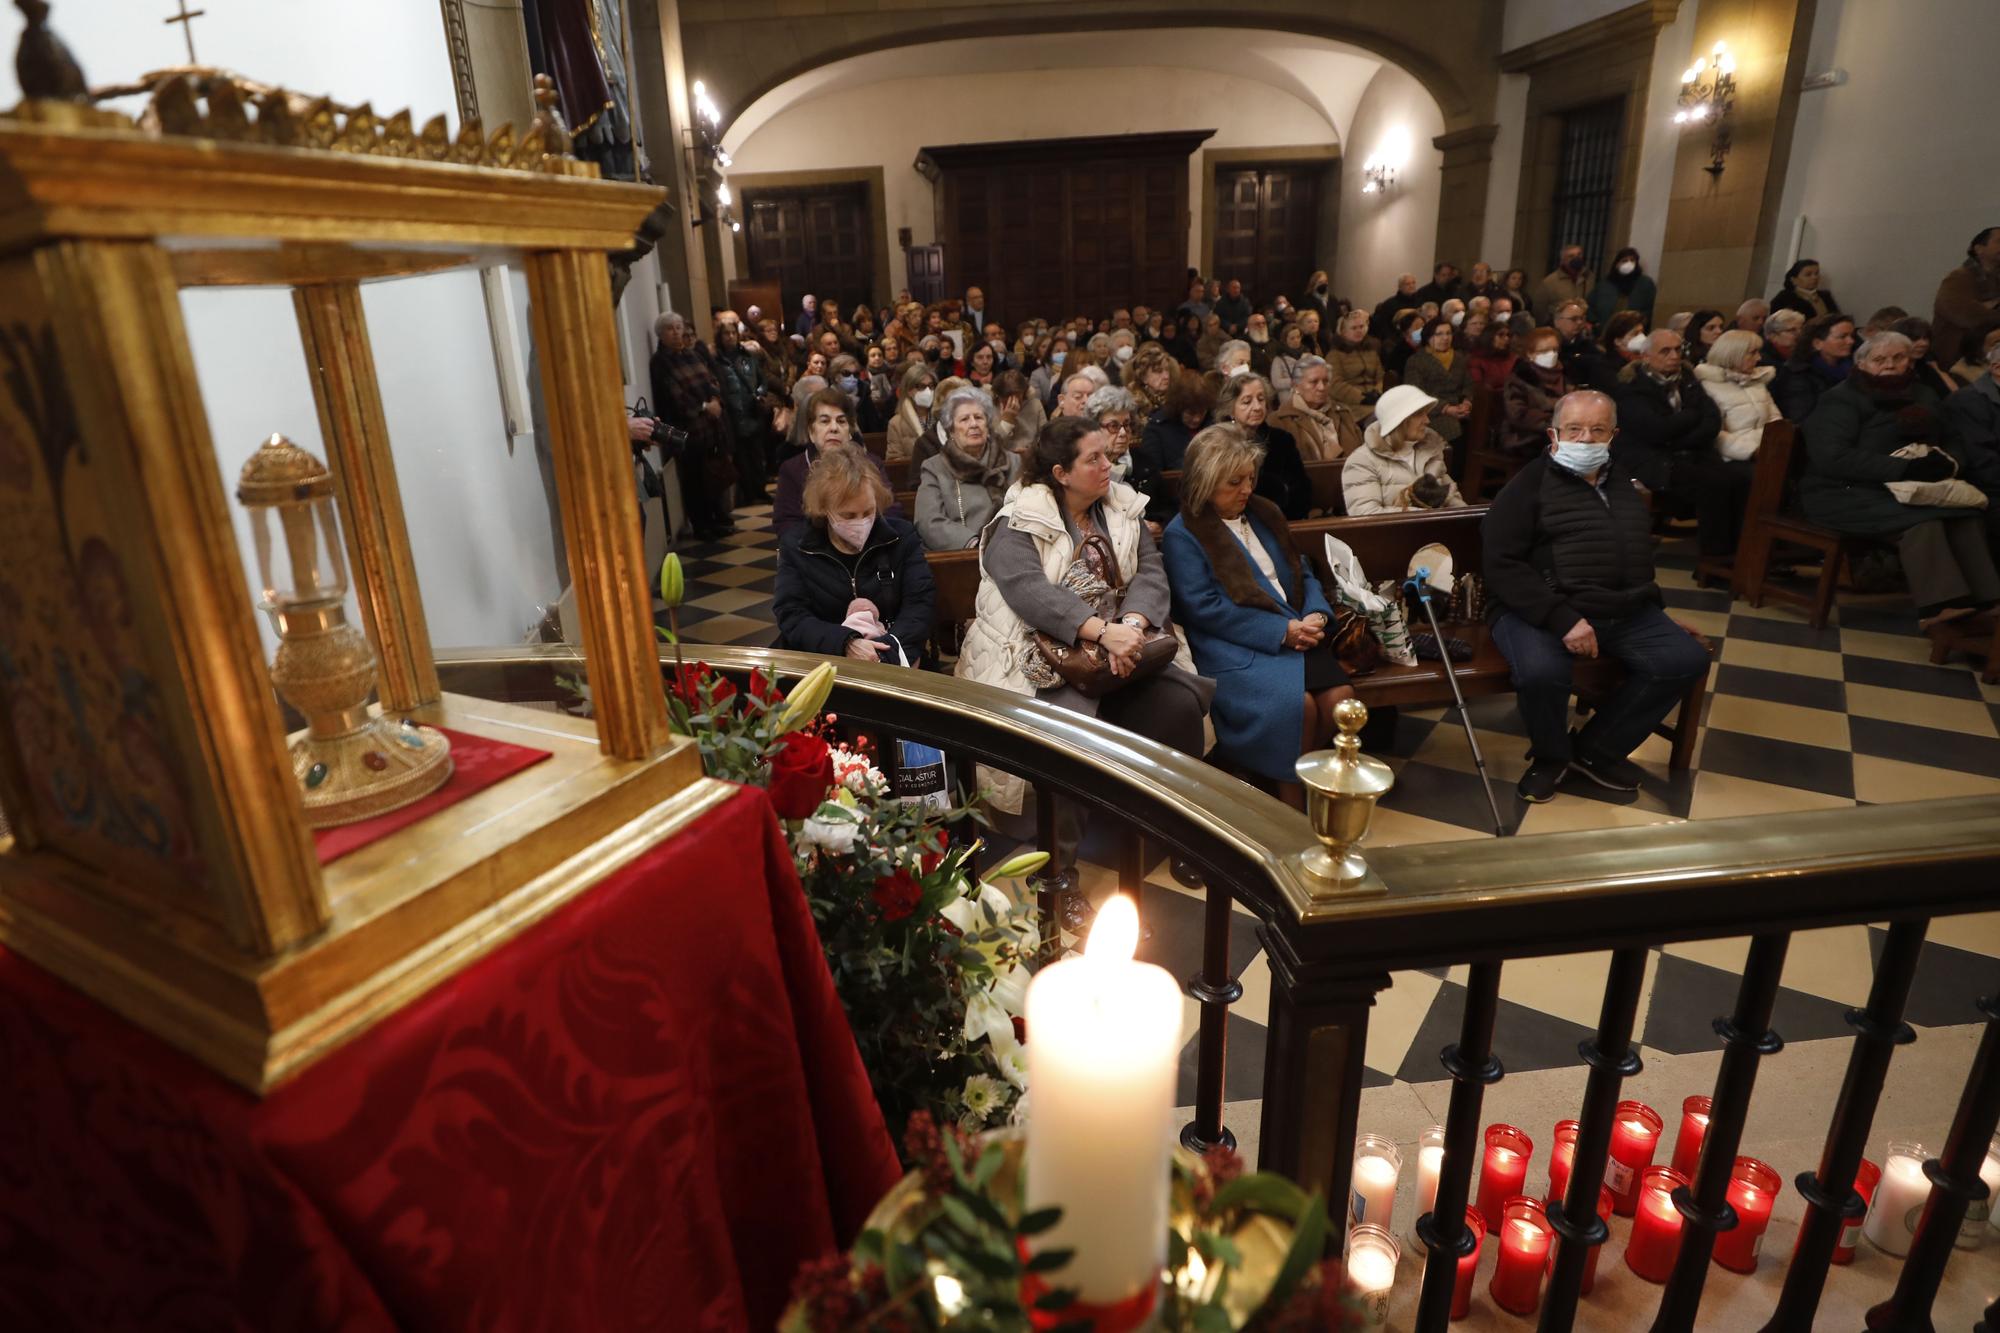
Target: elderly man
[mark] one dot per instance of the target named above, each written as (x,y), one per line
(1325,430)
(1262,348)
(1234,307)
(808,316)
(1968,302)
(687,392)
(975,309)
(1382,322)
(1569,280)
(1578,350)
(1750,316)
(1569,574)
(1443,285)
(1197,301)
(1076,391)
(1668,442)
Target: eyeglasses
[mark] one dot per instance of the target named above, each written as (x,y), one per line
(1118,427)
(1586,434)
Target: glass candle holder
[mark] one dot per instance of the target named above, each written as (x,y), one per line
(1372,1253)
(1866,1177)
(1377,1164)
(1503,1171)
(1590,1264)
(1656,1224)
(1972,1231)
(1461,1290)
(1430,1160)
(1899,1199)
(1694,1128)
(1753,1192)
(1635,1133)
(1562,1156)
(1525,1241)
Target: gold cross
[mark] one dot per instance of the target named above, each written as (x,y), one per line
(186,20)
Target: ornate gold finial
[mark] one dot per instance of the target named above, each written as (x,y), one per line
(43,64)
(548,114)
(1344,785)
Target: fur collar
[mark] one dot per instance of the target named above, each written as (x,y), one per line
(1231,562)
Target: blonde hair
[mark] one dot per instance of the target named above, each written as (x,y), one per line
(1212,455)
(1730,348)
(838,474)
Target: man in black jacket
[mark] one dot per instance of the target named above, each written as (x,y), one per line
(1442,287)
(1569,573)
(1667,441)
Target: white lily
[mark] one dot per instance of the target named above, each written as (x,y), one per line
(1012,1058)
(986,1017)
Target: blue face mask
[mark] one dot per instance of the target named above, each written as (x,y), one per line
(1580,457)
(849,383)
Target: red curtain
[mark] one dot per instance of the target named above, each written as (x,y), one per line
(643,1113)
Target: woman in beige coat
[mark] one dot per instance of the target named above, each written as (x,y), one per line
(1401,462)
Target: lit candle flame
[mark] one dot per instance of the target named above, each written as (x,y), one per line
(1114,936)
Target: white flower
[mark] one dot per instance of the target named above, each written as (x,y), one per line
(1019,1115)
(981,1095)
(1012,1058)
(853,772)
(1010,988)
(975,909)
(831,828)
(984,1017)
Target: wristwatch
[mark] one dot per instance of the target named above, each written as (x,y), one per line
(1135,620)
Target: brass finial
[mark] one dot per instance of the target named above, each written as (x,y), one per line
(42,63)
(1344,785)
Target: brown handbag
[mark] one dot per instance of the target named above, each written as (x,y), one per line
(1354,644)
(1086,668)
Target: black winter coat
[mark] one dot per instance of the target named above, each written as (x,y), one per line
(1556,552)
(1161,447)
(816,583)
(1282,480)
(1851,439)
(1799,385)
(1652,431)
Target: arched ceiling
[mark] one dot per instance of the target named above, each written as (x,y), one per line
(1327,76)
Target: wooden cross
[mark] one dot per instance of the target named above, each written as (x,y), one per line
(186,19)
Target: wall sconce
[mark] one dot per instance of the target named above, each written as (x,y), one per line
(1376,176)
(1708,95)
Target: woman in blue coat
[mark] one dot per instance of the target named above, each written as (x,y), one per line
(1254,615)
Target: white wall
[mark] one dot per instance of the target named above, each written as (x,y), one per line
(1893,171)
(1531,20)
(478,521)
(1660,141)
(1503,179)
(1383,235)
(1039,104)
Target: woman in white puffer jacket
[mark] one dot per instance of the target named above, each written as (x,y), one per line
(1742,389)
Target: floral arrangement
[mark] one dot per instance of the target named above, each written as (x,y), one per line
(928,958)
(959,1255)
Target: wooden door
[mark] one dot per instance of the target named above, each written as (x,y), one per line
(813,240)
(1266,227)
(924,268)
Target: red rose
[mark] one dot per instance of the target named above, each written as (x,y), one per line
(762,689)
(687,682)
(801,774)
(931,861)
(897,895)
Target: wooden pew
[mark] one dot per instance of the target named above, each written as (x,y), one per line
(1487,466)
(1766,527)
(956,574)
(1384,544)
(1328,499)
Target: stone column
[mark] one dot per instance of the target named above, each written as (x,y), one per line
(661,100)
(1468,158)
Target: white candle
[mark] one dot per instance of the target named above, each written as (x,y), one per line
(1972,1231)
(1899,1200)
(1105,1046)
(1371,1271)
(1376,1167)
(1430,1160)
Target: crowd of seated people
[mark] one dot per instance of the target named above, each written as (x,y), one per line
(1071,453)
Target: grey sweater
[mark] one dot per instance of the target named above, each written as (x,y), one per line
(1014,563)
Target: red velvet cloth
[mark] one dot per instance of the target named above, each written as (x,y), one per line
(644,1113)
(477,762)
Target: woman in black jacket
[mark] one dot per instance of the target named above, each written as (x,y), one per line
(1245,399)
(1823,358)
(1803,293)
(851,580)
(1165,439)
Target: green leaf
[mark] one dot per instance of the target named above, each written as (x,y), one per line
(1308,1246)
(989,1162)
(1263,1192)
(1035,1223)
(1057,1298)
(1218,1248)
(960,1215)
(1213,1319)
(1048,1261)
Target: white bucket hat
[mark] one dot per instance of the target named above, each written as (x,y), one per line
(1433,556)
(1396,406)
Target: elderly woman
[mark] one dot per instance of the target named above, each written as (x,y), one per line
(1233,358)
(1853,439)
(1124,346)
(1821,361)
(1735,376)
(1356,362)
(1255,617)
(914,395)
(1069,557)
(852,581)
(1528,403)
(1324,430)
(1781,337)
(1149,376)
(1114,409)
(828,429)
(1246,401)
(959,488)
(1401,462)
(1020,414)
(1442,372)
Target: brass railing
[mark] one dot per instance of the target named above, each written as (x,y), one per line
(1484,902)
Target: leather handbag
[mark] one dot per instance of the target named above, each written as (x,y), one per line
(1086,668)
(1354,643)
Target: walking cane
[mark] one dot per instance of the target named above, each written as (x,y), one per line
(1418,585)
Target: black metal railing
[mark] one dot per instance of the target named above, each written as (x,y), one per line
(1486,903)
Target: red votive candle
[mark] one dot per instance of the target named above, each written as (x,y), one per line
(1461,1291)
(1525,1241)
(1562,1156)
(1753,1189)
(1503,1172)
(1635,1133)
(1694,1128)
(1866,1177)
(1656,1224)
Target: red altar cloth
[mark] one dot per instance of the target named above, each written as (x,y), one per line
(642,1114)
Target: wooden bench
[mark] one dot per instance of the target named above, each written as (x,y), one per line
(1384,544)
(956,576)
(1487,466)
(1766,527)
(1328,499)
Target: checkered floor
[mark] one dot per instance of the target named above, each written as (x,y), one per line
(1799,719)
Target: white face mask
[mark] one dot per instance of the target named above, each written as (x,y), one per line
(851,532)
(1238,369)
(1636,343)
(1546,360)
(1124,354)
(1627,266)
(922,397)
(1457,318)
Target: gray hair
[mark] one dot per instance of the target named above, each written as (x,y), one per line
(1110,398)
(1309,363)
(1781,321)
(1580,397)
(1653,338)
(1074,378)
(1098,343)
(1097,376)
(1756,304)
(1885,341)
(1234,345)
(958,398)
(1234,388)
(1678,321)
(667,321)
